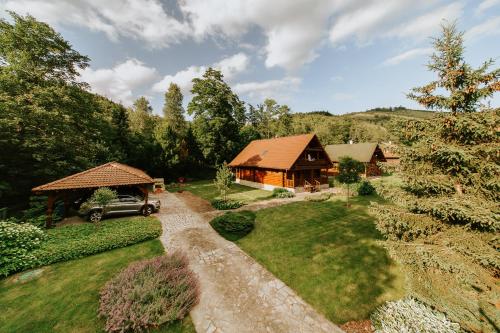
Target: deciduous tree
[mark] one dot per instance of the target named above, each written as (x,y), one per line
(349,170)
(218,115)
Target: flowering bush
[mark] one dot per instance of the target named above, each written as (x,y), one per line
(149,293)
(409,315)
(17,242)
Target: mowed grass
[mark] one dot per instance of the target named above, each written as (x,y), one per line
(65,297)
(329,254)
(207,190)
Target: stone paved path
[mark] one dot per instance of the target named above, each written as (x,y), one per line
(238,294)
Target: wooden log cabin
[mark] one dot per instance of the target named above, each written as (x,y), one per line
(367,153)
(297,163)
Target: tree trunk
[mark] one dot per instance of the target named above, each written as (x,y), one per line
(348,187)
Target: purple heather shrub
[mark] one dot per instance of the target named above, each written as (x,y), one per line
(149,293)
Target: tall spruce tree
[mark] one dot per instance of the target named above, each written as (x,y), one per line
(445,222)
(173,112)
(465,86)
(171,132)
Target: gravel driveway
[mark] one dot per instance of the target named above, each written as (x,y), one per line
(238,295)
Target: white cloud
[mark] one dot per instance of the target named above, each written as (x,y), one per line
(429,23)
(232,65)
(410,54)
(293,28)
(229,67)
(393,18)
(486,5)
(118,83)
(277,89)
(182,78)
(489,27)
(144,20)
(342,96)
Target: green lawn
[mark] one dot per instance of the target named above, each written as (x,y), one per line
(65,297)
(207,190)
(329,254)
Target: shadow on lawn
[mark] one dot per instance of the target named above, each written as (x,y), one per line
(329,254)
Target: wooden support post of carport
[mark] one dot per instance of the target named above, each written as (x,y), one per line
(144,190)
(50,209)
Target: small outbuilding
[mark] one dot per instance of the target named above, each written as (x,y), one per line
(112,174)
(298,163)
(367,153)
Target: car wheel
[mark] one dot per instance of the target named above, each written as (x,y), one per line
(148,210)
(95,216)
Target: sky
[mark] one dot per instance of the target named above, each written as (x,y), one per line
(335,55)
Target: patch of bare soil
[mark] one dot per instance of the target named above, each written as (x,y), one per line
(363,326)
(195,203)
(71,220)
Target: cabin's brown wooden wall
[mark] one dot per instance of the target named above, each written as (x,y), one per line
(263,176)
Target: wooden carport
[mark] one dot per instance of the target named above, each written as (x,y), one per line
(112,174)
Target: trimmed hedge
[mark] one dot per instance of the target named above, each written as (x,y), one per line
(366,188)
(17,242)
(233,226)
(282,193)
(226,204)
(81,240)
(149,293)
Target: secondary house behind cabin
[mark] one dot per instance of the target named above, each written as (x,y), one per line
(297,163)
(367,153)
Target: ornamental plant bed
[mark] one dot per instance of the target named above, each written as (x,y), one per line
(149,293)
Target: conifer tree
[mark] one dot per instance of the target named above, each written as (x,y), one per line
(173,111)
(444,226)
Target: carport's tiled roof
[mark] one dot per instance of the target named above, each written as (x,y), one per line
(109,174)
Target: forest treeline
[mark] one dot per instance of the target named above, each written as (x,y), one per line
(52,125)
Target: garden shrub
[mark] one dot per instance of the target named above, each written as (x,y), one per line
(148,294)
(366,188)
(282,193)
(234,226)
(318,198)
(409,315)
(81,240)
(226,204)
(17,242)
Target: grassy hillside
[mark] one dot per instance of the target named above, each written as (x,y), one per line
(371,125)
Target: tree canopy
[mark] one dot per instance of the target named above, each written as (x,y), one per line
(218,115)
(445,222)
(464,85)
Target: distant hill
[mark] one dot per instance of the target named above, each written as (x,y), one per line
(370,125)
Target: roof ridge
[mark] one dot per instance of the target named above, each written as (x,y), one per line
(127,168)
(305,146)
(282,137)
(72,176)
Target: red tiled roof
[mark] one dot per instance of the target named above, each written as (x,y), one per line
(109,174)
(277,153)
